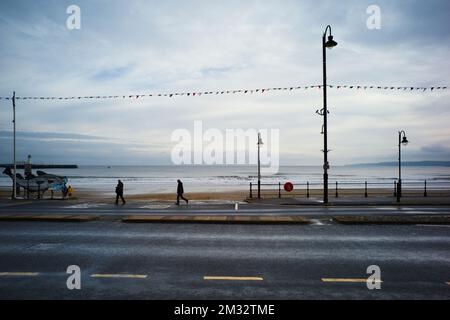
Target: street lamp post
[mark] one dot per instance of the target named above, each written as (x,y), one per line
(260,143)
(330,43)
(402,140)
(14,146)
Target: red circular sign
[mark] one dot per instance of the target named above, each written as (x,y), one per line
(288,186)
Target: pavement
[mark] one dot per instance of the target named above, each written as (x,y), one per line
(354,201)
(321,260)
(215,212)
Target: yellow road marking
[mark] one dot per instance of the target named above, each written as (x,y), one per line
(129,276)
(233,278)
(18,274)
(349,280)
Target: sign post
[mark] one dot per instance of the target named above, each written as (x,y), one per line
(260,143)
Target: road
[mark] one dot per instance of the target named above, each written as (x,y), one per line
(209,208)
(188,261)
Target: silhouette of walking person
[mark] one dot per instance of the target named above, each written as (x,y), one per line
(119,192)
(180,191)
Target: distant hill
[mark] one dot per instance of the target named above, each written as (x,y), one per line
(404,163)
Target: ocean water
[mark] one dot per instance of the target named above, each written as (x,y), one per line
(163,179)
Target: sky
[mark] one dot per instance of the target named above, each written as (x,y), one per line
(142,47)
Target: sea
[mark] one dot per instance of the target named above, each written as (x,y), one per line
(163,179)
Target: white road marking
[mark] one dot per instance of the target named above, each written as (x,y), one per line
(85,205)
(316,222)
(155,206)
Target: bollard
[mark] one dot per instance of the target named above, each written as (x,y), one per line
(236,206)
(336,189)
(307,189)
(279,190)
(395,188)
(365,189)
(425,194)
(251,193)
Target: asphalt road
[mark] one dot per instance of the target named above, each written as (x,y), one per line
(160,261)
(209,208)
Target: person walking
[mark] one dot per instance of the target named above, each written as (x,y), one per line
(180,191)
(119,192)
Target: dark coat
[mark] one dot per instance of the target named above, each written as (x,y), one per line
(119,188)
(180,189)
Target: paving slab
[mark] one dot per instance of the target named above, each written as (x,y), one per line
(226,219)
(435,219)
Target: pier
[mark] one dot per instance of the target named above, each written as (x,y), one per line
(41,166)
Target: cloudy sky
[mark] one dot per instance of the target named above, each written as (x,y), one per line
(143,47)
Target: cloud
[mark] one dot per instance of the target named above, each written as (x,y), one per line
(111,73)
(152,46)
(57,148)
(49,136)
(437,150)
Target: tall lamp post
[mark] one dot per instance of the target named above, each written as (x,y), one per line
(14,146)
(260,143)
(402,140)
(330,43)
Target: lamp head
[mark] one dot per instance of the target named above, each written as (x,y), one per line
(260,142)
(405,141)
(330,43)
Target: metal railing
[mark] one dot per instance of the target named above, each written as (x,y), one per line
(337,189)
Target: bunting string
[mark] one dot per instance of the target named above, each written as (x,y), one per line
(240,91)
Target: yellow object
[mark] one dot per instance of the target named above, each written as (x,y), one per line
(131,276)
(233,278)
(70,191)
(348,280)
(18,274)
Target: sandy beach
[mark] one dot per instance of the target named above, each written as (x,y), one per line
(93,195)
